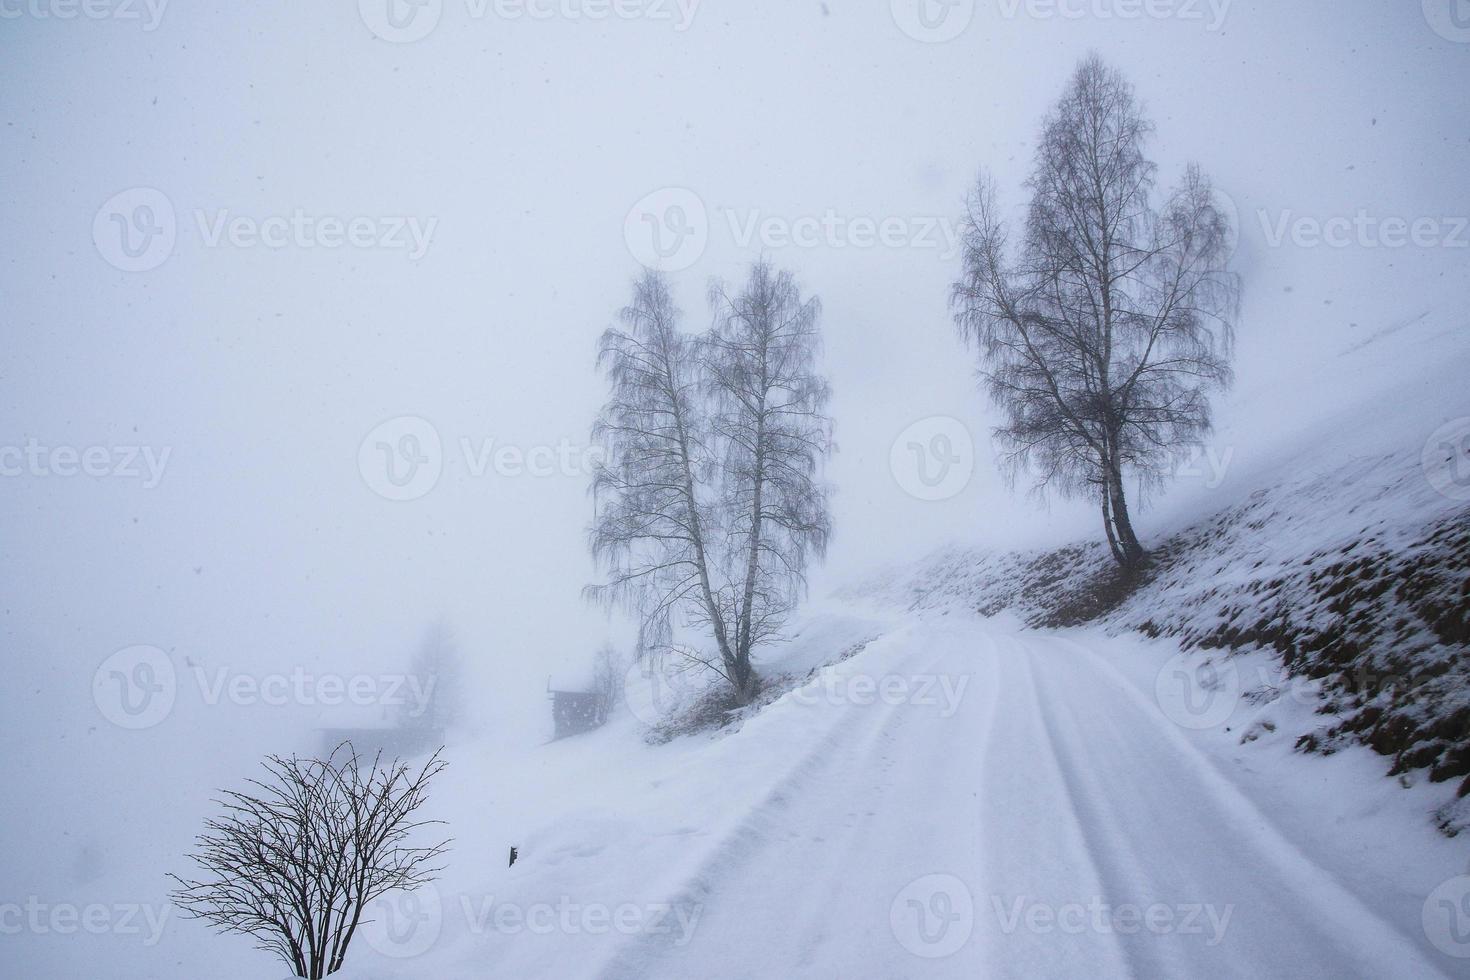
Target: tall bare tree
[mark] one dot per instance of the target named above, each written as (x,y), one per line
(1104,330)
(708,502)
(295,859)
(651,527)
(760,359)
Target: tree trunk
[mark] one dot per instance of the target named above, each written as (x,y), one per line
(745,679)
(1107,514)
(743,673)
(1133,553)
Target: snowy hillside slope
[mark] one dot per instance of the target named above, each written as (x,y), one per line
(1343,550)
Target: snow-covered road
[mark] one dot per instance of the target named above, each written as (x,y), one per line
(1048,822)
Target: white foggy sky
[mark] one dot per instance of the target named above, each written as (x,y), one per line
(262,370)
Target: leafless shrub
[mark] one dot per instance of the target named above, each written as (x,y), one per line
(295,858)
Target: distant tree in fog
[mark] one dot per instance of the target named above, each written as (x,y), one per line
(296,858)
(708,504)
(608,671)
(1103,330)
(436,701)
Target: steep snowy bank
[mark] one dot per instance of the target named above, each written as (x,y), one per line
(1345,553)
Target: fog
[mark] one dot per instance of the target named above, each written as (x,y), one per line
(495,169)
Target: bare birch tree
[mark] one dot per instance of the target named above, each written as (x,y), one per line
(651,524)
(768,402)
(1103,332)
(708,503)
(295,859)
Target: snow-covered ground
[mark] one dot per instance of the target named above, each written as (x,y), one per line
(961,797)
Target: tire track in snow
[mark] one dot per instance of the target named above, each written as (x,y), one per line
(1037,849)
(1200,839)
(849,744)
